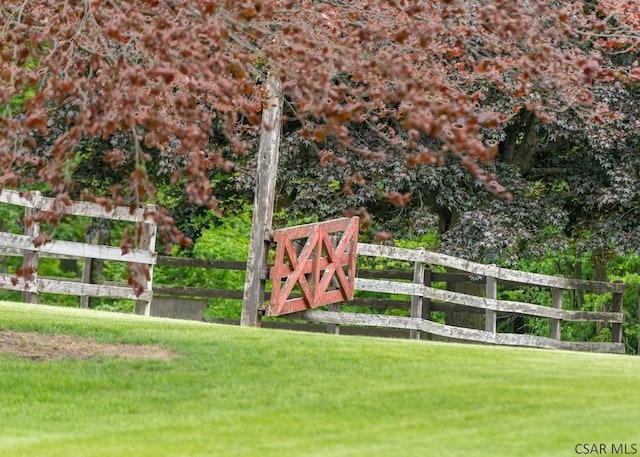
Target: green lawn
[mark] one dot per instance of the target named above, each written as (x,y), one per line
(256,392)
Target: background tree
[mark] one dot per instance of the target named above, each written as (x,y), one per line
(371,86)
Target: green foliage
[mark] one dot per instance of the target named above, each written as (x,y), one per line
(535,295)
(226,240)
(283,218)
(539,327)
(16,103)
(11,218)
(428,241)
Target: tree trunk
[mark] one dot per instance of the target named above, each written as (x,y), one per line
(69,266)
(474,320)
(578,295)
(600,258)
(520,146)
(519,149)
(92,268)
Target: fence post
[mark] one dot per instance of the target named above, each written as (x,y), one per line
(426,303)
(416,300)
(556,303)
(30,258)
(147,243)
(261,219)
(333,329)
(87,267)
(491,316)
(616,329)
(91,267)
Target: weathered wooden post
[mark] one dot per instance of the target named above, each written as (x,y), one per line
(416,300)
(147,243)
(91,268)
(87,278)
(491,316)
(556,303)
(616,329)
(333,329)
(426,303)
(257,260)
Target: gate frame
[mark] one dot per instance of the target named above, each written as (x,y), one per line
(312,271)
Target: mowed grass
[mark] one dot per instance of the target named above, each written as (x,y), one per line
(256,392)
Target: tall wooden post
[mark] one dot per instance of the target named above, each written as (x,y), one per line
(87,273)
(491,316)
(147,243)
(416,301)
(263,204)
(333,329)
(556,302)
(91,268)
(616,329)
(426,303)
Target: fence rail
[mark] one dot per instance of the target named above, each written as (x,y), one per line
(416,283)
(22,245)
(494,271)
(35,201)
(423,297)
(448,331)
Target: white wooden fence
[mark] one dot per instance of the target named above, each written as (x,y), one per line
(22,245)
(423,295)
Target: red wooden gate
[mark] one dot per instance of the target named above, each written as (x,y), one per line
(314,264)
